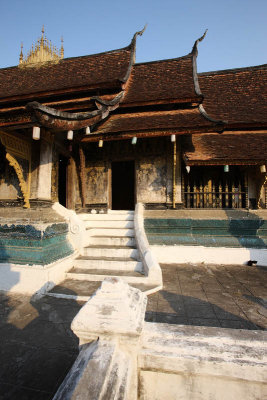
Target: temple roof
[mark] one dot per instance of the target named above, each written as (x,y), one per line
(226,148)
(162,80)
(69,73)
(238,96)
(157,122)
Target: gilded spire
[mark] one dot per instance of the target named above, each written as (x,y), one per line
(43,51)
(21,54)
(62,48)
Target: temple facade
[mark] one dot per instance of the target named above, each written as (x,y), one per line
(103,132)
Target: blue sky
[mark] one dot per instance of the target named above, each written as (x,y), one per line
(237,29)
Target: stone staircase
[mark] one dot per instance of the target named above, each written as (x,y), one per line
(110,252)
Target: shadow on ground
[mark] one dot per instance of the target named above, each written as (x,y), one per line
(37,347)
(211,295)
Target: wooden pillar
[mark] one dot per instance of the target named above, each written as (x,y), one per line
(82,175)
(174,176)
(71,187)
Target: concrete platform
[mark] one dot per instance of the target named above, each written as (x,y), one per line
(37,347)
(231,296)
(206,214)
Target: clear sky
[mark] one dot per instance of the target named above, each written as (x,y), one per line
(237,29)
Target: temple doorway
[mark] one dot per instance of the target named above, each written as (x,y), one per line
(123,185)
(62,180)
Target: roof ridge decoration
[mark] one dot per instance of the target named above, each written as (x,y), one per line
(60,120)
(43,51)
(194,54)
(132,56)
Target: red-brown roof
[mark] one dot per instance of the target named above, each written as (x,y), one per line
(75,72)
(223,148)
(237,96)
(162,80)
(175,119)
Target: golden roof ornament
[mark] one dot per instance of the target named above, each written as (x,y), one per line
(42,52)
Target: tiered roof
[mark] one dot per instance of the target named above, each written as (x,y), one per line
(238,96)
(118,99)
(227,148)
(161,81)
(71,74)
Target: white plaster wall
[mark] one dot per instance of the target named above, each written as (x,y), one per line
(168,386)
(208,255)
(201,363)
(45,169)
(30,279)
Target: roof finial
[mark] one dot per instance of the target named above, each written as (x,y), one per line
(194,49)
(42,37)
(21,54)
(62,48)
(140,33)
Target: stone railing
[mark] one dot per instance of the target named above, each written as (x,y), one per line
(123,357)
(151,266)
(77,230)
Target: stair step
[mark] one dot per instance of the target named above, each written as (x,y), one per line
(108,246)
(108,224)
(112,241)
(106,272)
(97,277)
(117,212)
(108,263)
(106,217)
(83,290)
(125,232)
(110,251)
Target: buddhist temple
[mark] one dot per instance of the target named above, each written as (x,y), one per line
(133,203)
(102,132)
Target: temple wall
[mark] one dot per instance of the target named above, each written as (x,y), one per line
(96,182)
(151,179)
(9,183)
(153,171)
(256,193)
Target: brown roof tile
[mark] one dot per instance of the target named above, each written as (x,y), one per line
(175,119)
(237,96)
(67,73)
(161,80)
(224,148)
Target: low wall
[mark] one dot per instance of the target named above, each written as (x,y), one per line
(208,255)
(199,363)
(124,358)
(32,279)
(234,233)
(34,243)
(210,241)
(151,266)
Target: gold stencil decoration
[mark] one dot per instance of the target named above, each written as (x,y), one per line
(18,148)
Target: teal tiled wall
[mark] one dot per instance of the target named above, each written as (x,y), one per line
(30,244)
(250,233)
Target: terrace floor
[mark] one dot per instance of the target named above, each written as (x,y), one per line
(37,347)
(231,296)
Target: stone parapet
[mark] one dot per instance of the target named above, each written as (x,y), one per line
(151,266)
(33,243)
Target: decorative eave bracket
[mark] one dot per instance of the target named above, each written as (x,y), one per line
(220,124)
(64,121)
